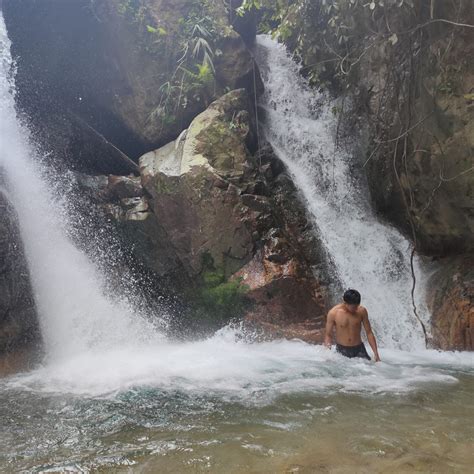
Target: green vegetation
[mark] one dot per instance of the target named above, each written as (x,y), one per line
(132,9)
(187,43)
(217,299)
(193,78)
(330,35)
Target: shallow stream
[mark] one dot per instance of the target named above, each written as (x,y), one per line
(223,405)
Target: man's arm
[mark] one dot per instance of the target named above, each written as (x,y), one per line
(329,328)
(370,335)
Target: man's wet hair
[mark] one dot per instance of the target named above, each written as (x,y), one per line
(352,296)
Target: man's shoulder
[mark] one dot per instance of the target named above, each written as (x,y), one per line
(362,310)
(337,311)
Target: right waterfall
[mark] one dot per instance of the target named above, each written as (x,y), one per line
(365,253)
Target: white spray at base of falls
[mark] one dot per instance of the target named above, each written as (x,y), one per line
(366,254)
(75,314)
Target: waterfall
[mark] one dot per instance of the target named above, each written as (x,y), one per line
(79,316)
(99,345)
(366,254)
(76,314)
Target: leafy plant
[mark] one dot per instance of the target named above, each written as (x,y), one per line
(194,75)
(217,299)
(160,31)
(330,31)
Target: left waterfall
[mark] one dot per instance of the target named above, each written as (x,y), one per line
(76,314)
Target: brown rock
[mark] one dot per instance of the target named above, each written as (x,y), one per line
(451,301)
(283,292)
(124,187)
(199,209)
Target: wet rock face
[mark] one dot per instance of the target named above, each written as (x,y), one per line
(411,95)
(18,321)
(132,72)
(211,205)
(436,175)
(451,301)
(438,179)
(123,200)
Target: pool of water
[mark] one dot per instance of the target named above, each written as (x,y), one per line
(226,406)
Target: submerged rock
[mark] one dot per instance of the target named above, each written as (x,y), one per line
(451,301)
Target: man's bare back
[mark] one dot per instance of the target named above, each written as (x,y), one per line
(347,319)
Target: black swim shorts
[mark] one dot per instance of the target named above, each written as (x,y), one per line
(353,351)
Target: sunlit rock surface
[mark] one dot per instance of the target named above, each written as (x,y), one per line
(194,185)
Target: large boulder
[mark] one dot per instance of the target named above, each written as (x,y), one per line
(130,74)
(122,200)
(420,157)
(451,302)
(18,319)
(193,185)
(228,222)
(218,204)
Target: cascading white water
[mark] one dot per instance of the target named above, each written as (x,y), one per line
(366,254)
(75,314)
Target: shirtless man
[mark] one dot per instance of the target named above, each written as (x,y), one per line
(348,318)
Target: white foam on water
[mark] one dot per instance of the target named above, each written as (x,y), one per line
(366,254)
(230,369)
